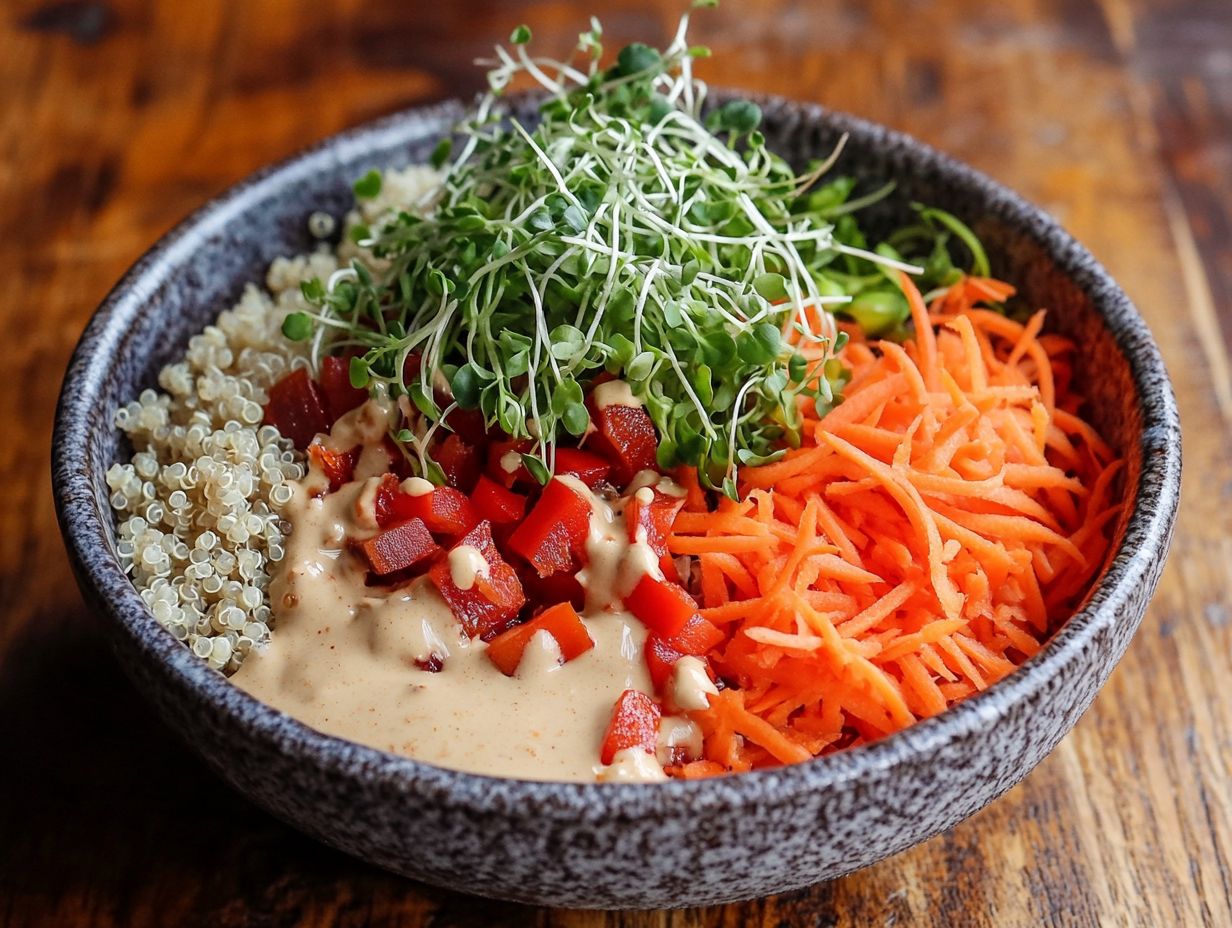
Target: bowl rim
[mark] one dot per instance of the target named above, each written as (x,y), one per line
(81,514)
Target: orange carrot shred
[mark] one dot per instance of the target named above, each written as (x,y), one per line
(928,536)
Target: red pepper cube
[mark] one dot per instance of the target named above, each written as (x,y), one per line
(662,606)
(655,517)
(297,409)
(445,511)
(340,396)
(652,522)
(560,621)
(553,535)
(588,468)
(697,637)
(412,366)
(660,658)
(634,724)
(390,504)
(492,601)
(338,466)
(469,424)
(399,463)
(505,463)
(459,461)
(560,587)
(497,504)
(626,437)
(398,548)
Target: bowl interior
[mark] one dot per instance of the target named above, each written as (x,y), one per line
(359,795)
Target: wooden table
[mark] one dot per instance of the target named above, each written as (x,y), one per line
(117,118)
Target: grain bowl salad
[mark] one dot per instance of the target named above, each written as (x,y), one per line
(612,448)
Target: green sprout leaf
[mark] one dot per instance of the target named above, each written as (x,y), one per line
(297,326)
(635,58)
(369,185)
(441,153)
(359,373)
(537,469)
(465,386)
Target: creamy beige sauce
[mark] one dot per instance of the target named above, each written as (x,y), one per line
(465,565)
(632,765)
(416,486)
(678,735)
(347,659)
(366,425)
(691,686)
(615,393)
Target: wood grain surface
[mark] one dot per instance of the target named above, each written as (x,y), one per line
(117,118)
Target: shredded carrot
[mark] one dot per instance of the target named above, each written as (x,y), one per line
(929,535)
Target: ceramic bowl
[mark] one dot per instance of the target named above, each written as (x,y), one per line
(598,845)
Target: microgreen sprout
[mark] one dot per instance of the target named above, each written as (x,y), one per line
(629,229)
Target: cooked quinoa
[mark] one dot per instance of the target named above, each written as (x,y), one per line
(199,504)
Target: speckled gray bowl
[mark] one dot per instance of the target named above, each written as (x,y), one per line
(609,845)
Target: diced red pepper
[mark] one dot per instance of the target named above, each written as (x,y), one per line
(445,511)
(434,663)
(560,587)
(399,463)
(412,366)
(662,606)
(398,548)
(655,520)
(497,504)
(560,621)
(519,475)
(338,466)
(297,409)
(634,724)
(660,657)
(588,468)
(386,503)
(626,437)
(340,396)
(697,637)
(460,462)
(553,535)
(470,426)
(494,600)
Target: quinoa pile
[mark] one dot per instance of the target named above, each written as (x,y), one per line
(199,504)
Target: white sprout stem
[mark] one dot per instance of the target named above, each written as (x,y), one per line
(878,259)
(688,388)
(814,175)
(541,328)
(735,422)
(641,304)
